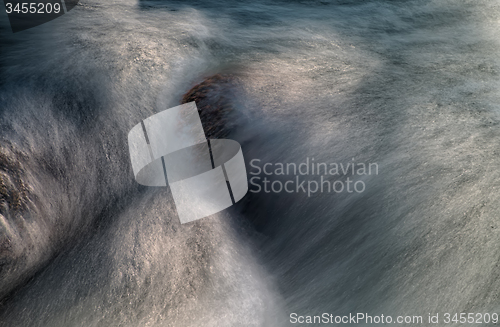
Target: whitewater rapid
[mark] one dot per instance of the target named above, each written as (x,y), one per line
(411,86)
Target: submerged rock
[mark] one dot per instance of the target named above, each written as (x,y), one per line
(13,190)
(213,98)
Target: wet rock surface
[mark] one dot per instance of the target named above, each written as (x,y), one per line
(13,190)
(213,98)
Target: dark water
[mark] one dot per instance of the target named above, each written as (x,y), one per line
(409,85)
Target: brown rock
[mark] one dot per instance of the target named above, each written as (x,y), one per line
(213,98)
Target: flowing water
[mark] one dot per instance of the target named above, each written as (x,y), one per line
(409,85)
